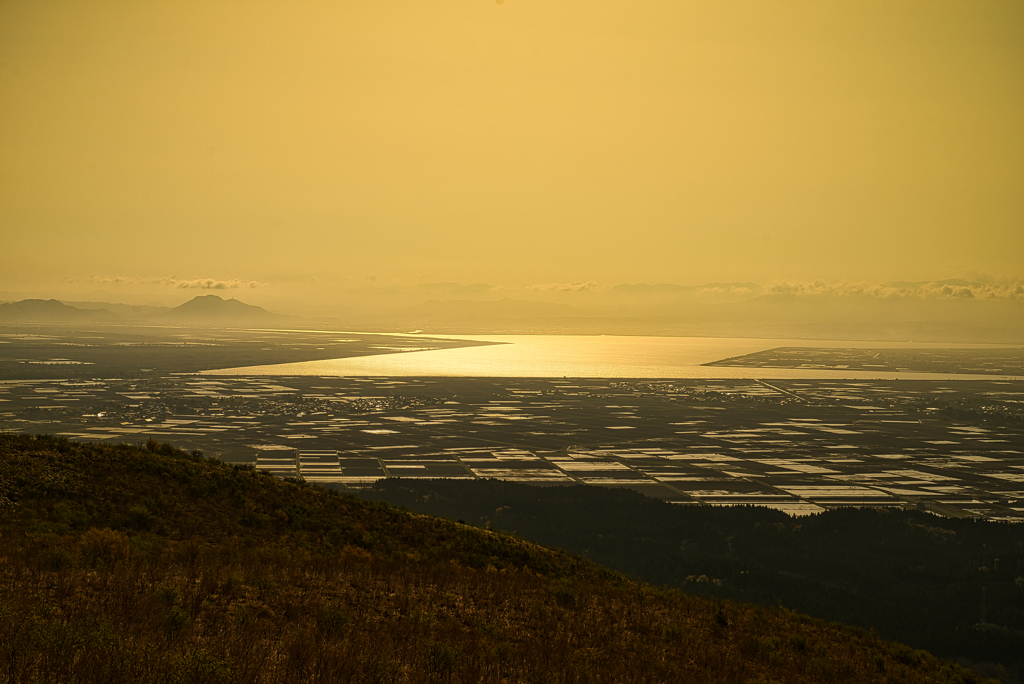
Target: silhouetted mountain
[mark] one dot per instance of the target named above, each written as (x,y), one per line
(129,312)
(212,310)
(52,311)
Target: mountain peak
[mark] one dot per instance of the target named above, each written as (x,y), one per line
(213,309)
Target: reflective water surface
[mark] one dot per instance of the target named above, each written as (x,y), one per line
(583,356)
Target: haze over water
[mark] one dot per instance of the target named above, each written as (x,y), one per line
(582,356)
(319,158)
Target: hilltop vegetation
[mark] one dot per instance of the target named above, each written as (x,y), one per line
(915,577)
(123,564)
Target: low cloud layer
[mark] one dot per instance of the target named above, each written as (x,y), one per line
(214,284)
(564,287)
(941,289)
(168,281)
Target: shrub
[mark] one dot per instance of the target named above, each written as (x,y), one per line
(168,595)
(200,667)
(103,545)
(798,642)
(139,517)
(672,632)
(176,621)
(57,558)
(331,620)
(442,658)
(68,514)
(563,592)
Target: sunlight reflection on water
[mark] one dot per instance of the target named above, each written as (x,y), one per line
(582,356)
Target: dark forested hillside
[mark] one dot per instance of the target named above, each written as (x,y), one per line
(912,576)
(129,564)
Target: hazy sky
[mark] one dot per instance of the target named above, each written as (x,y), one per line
(511,142)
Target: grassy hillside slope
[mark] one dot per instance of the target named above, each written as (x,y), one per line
(123,564)
(915,577)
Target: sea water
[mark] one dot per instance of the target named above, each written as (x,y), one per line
(592,356)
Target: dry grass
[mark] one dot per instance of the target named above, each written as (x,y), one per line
(126,565)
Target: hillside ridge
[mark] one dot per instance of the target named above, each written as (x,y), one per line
(914,576)
(124,563)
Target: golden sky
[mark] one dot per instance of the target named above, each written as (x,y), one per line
(515,142)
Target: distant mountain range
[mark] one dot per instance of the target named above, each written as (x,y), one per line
(940,311)
(206,310)
(52,311)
